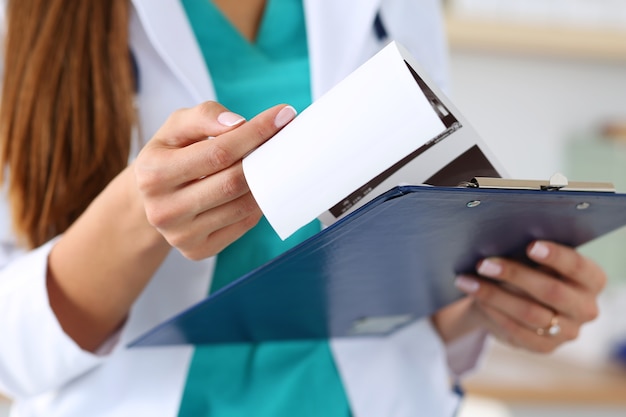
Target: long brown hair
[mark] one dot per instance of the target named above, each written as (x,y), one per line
(66,112)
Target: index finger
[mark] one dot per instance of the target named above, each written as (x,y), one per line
(204,158)
(568,263)
(252,134)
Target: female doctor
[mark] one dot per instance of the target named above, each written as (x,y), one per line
(87,237)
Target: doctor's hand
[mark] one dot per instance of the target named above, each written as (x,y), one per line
(534,308)
(191,180)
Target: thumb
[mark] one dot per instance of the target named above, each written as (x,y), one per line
(187,126)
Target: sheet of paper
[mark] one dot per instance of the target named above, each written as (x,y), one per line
(365,124)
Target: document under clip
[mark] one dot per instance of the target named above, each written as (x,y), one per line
(558,182)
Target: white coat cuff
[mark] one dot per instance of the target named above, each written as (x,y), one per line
(465,353)
(36,355)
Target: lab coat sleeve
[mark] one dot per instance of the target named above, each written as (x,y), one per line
(418,25)
(35,353)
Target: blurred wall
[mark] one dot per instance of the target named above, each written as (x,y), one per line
(528,107)
(540,92)
(540,98)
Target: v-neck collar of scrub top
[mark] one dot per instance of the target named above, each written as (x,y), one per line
(179,48)
(263,29)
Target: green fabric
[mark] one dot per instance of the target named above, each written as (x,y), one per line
(271,379)
(250,77)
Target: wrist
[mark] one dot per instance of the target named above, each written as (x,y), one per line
(144,235)
(102,263)
(457,320)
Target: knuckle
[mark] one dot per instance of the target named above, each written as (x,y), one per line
(148,180)
(485,292)
(262,131)
(146,177)
(219,157)
(529,313)
(591,312)
(207,108)
(246,207)
(157,215)
(179,240)
(233,185)
(555,292)
(599,280)
(252,220)
(212,245)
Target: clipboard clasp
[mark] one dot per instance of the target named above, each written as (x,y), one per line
(557,182)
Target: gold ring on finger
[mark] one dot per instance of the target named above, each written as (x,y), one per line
(552,329)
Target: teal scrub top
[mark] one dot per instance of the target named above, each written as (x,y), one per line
(270,379)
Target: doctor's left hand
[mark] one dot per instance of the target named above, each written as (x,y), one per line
(534,308)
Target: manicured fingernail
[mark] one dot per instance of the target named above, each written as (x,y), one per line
(539,250)
(489,268)
(230,119)
(284,116)
(466,284)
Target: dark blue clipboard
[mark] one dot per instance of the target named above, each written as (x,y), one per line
(389,263)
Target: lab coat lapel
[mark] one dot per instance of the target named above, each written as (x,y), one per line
(166,24)
(331,24)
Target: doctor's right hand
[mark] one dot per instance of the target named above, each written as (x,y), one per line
(190,176)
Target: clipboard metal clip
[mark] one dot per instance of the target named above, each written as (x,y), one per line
(557,182)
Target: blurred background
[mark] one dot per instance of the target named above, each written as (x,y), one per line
(544,84)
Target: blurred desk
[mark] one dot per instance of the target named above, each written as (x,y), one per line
(4,406)
(515,376)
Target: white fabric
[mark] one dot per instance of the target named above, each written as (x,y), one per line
(48,375)
(465,353)
(403,375)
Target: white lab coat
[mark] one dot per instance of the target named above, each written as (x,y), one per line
(48,375)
